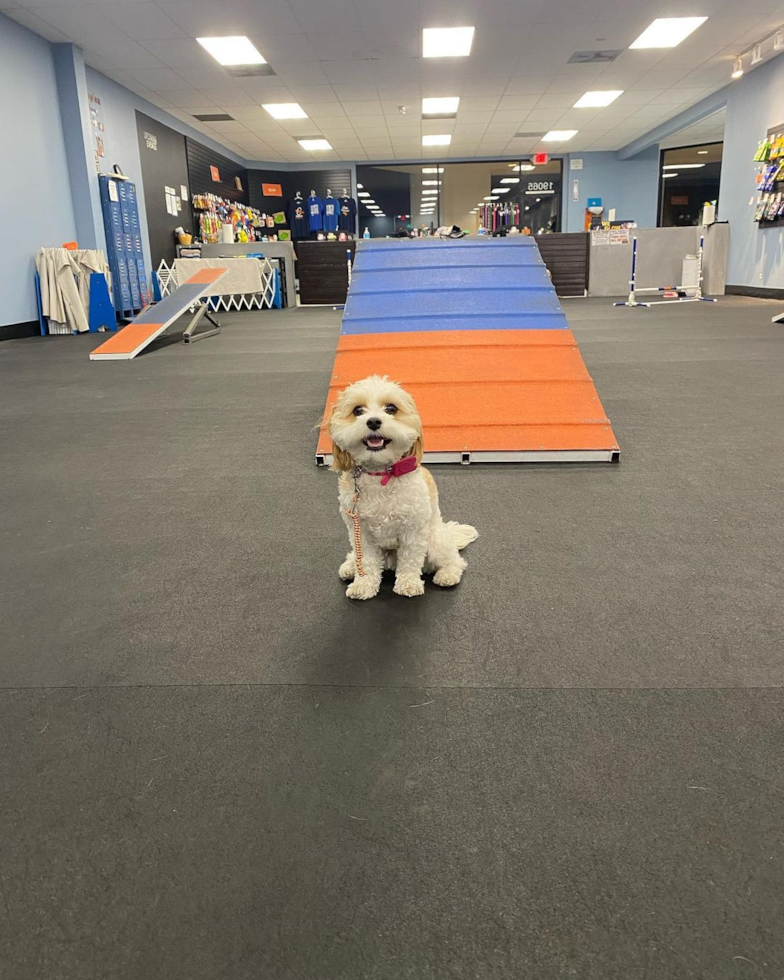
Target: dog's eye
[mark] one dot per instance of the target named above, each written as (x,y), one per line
(359,410)
(390,409)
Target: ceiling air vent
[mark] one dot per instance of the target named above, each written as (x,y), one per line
(593,57)
(241,71)
(213,117)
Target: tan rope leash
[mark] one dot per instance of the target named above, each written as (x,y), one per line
(357,530)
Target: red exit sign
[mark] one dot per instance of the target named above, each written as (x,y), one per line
(540,159)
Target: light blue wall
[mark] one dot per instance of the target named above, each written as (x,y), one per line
(121,142)
(755,103)
(37,209)
(629,186)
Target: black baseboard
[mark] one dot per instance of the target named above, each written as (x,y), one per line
(759,292)
(13,331)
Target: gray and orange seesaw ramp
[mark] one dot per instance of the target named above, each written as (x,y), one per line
(154,320)
(473,329)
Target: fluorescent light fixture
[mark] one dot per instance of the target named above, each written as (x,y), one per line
(432,107)
(510,180)
(669,174)
(525,167)
(667,32)
(431,183)
(559,135)
(443,139)
(432,170)
(232,50)
(500,190)
(447,42)
(737,68)
(371,201)
(360,186)
(430,193)
(598,100)
(682,166)
(702,153)
(315,144)
(285,110)
(363,193)
(491,198)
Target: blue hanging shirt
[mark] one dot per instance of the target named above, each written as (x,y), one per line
(315,213)
(331,214)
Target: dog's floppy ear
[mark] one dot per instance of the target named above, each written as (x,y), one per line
(343,462)
(417,449)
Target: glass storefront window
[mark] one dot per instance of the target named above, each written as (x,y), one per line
(689,178)
(495,196)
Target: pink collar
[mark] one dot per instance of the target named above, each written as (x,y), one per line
(406,465)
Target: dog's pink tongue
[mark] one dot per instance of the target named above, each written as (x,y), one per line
(375,441)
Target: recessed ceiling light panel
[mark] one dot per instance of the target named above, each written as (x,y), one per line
(682,166)
(510,180)
(597,99)
(238,50)
(443,139)
(432,170)
(440,107)
(559,135)
(285,110)
(447,42)
(319,144)
(668,32)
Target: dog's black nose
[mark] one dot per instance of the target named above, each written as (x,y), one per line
(374,424)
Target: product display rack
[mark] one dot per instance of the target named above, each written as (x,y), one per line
(123,244)
(770,179)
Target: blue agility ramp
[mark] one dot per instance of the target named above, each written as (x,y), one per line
(434,284)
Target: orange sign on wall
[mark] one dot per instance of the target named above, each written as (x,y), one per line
(215,174)
(272,190)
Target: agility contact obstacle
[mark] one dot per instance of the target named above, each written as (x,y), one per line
(688,292)
(474,330)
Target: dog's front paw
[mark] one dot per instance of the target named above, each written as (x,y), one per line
(448,576)
(348,570)
(409,585)
(363,587)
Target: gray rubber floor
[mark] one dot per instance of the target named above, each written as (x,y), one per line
(213,766)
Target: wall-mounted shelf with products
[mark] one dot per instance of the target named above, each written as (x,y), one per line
(770,179)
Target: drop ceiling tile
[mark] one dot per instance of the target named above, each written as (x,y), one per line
(313,95)
(481,103)
(354,93)
(31,20)
(160,79)
(678,96)
(231,95)
(80,21)
(143,20)
(216,18)
(324,16)
(527,85)
(121,55)
(512,116)
(282,50)
(517,102)
(205,76)
(187,98)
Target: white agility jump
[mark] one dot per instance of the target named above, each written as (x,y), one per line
(690,291)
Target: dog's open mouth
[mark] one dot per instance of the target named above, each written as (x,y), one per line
(376,443)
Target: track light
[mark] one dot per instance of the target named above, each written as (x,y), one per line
(756,54)
(737,68)
(778,41)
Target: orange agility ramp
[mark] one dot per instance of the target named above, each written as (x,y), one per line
(152,322)
(474,330)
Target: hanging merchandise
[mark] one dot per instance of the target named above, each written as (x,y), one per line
(298,219)
(347,219)
(331,213)
(315,212)
(215,212)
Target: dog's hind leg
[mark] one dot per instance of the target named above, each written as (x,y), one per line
(444,557)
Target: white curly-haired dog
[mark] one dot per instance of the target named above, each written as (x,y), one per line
(388,501)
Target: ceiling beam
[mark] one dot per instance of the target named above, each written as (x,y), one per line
(694,114)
